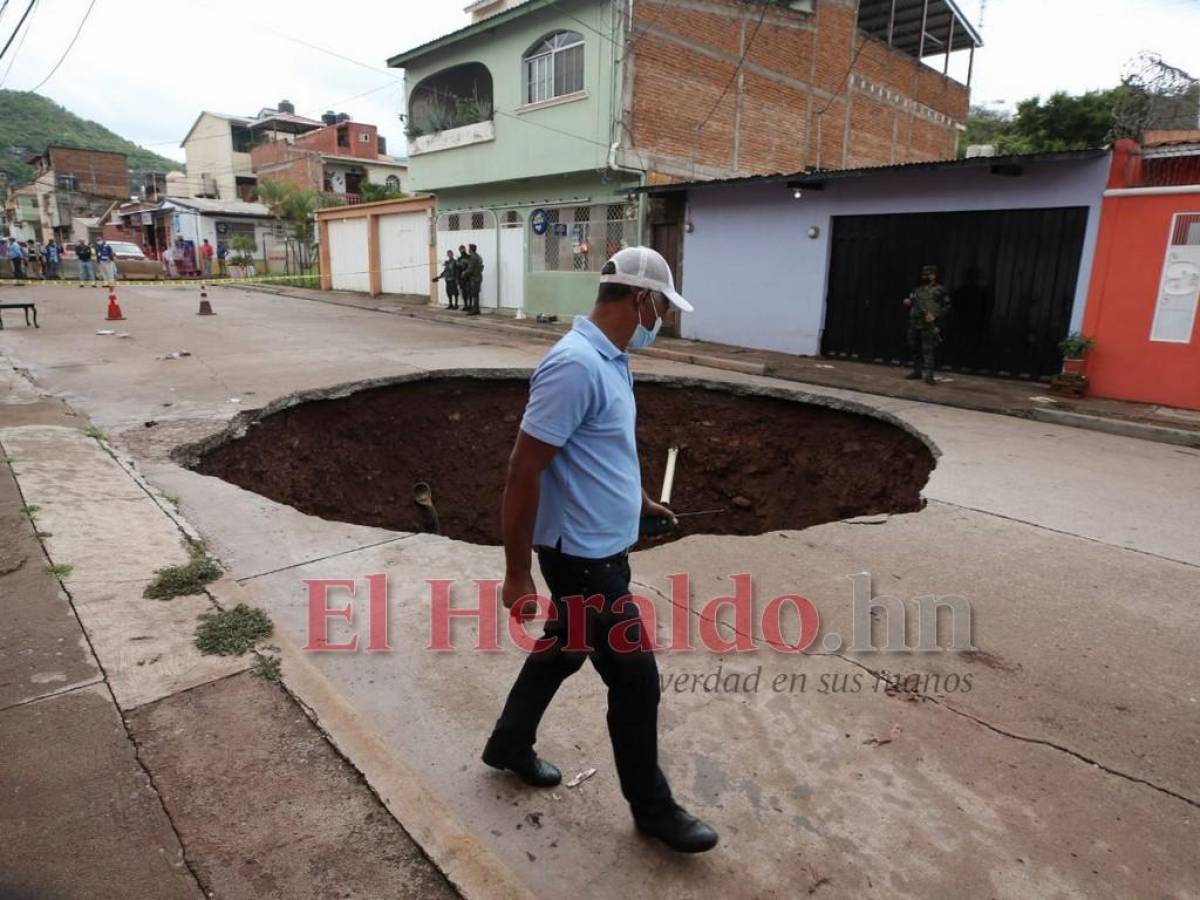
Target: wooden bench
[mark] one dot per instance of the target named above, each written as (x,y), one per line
(23,305)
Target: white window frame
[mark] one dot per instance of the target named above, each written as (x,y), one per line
(1161,331)
(539,66)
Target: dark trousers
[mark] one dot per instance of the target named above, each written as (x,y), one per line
(631,677)
(452,296)
(18,267)
(923,340)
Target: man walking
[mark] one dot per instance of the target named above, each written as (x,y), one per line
(108,261)
(450,277)
(927,305)
(574,494)
(84,254)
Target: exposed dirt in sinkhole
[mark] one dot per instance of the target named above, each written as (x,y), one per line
(771,464)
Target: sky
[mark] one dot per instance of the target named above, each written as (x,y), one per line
(146,68)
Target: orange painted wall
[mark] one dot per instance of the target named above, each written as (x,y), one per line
(1130,251)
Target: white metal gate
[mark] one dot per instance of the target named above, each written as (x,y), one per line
(348,255)
(481,228)
(404,253)
(512,260)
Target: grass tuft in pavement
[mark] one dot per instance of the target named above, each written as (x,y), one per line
(232,632)
(60,570)
(266,666)
(93,432)
(181,581)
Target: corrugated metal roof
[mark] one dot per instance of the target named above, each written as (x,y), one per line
(819,176)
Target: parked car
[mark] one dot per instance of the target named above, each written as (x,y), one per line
(133,263)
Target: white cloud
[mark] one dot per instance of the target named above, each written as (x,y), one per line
(146,69)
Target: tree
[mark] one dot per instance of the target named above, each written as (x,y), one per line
(1063,122)
(1152,95)
(294,209)
(372,192)
(984,126)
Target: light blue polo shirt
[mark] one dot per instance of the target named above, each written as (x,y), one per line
(581,401)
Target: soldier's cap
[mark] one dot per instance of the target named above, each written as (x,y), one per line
(645,268)
(929,270)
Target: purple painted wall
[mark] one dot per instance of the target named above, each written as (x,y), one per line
(758,280)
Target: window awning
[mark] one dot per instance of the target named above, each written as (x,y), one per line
(919,27)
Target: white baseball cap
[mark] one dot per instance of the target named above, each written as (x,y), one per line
(645,268)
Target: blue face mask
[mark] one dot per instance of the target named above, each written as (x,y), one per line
(643,337)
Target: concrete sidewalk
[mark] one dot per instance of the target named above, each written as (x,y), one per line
(132,766)
(1069,768)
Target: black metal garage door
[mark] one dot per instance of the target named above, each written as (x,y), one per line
(1011,276)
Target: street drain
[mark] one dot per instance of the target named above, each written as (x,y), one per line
(770,462)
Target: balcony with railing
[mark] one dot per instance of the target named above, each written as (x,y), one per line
(451,108)
(336,199)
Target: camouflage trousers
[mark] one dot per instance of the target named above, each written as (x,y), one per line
(923,341)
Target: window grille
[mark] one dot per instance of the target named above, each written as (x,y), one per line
(554,67)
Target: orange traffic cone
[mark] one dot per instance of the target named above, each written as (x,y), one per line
(205,307)
(114,309)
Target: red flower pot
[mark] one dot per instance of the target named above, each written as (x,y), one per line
(1073,366)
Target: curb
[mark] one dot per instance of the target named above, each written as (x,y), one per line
(1158,433)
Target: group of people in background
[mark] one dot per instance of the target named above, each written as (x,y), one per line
(32,259)
(463,276)
(35,260)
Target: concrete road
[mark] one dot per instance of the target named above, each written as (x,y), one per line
(1069,768)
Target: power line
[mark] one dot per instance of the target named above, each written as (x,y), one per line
(737,69)
(732,78)
(78,31)
(12,37)
(846,77)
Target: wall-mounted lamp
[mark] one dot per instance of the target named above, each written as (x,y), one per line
(689,226)
(814,231)
(798,188)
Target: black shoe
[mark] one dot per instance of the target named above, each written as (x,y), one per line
(531,769)
(929,379)
(679,830)
(913,376)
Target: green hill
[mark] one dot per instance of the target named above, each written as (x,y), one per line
(30,122)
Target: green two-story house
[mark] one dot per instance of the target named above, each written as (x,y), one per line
(512,122)
(536,123)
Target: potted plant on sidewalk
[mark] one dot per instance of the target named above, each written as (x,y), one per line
(1075,348)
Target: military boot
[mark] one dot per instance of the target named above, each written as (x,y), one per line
(929,379)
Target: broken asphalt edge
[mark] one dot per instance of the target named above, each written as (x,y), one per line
(188,455)
(1143,431)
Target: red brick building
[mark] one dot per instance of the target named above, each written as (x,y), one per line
(727,87)
(74,187)
(336,159)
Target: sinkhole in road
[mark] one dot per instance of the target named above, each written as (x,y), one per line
(769,462)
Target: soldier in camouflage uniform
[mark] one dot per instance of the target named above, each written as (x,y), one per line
(927,305)
(464,282)
(475,270)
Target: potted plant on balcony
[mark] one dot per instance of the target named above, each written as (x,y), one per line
(1075,348)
